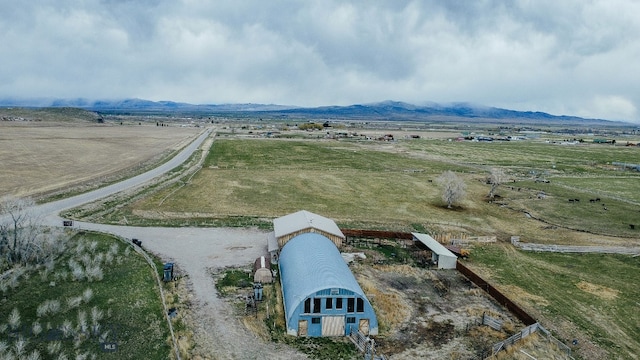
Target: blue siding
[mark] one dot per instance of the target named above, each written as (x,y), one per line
(311,267)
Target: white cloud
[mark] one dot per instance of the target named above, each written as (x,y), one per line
(542,55)
(610,107)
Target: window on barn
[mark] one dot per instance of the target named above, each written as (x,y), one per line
(315,320)
(350,305)
(329,303)
(351,320)
(316,305)
(360,305)
(339,303)
(307,306)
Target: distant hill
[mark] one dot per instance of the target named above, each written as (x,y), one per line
(55,114)
(386,110)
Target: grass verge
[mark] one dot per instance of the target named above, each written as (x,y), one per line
(99,292)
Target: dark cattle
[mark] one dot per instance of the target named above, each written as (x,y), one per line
(592,200)
(632,226)
(572,200)
(597,199)
(137,242)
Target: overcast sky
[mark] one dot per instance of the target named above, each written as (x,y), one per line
(568,57)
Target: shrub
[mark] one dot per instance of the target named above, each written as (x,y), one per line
(14,319)
(66,328)
(54,347)
(96,315)
(87,294)
(36,328)
(74,302)
(76,270)
(94,273)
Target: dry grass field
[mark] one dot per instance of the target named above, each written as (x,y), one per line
(49,156)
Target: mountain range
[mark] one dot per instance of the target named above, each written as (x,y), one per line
(385,110)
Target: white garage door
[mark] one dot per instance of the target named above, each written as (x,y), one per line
(333,326)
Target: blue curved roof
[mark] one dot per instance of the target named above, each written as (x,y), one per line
(310,262)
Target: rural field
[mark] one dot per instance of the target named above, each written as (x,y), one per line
(247,180)
(66,150)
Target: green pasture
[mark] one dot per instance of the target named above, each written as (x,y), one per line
(608,314)
(391,185)
(64,316)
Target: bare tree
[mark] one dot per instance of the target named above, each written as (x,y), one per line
(22,239)
(496,178)
(453,188)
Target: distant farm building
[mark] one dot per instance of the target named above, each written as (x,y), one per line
(320,294)
(262,271)
(440,255)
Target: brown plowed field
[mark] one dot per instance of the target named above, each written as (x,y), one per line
(46,157)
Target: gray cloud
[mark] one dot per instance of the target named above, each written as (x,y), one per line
(570,57)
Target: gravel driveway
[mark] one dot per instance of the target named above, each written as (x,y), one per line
(195,250)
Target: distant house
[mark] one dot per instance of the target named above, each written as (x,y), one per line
(320,294)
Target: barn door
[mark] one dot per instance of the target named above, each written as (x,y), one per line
(363,326)
(333,326)
(302,327)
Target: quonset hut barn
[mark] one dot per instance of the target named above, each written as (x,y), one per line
(321,296)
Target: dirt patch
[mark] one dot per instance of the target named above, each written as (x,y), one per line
(598,290)
(430,314)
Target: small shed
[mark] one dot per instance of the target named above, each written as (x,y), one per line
(262,271)
(292,225)
(440,255)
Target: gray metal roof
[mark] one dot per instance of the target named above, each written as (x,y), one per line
(309,263)
(432,244)
(303,219)
(272,242)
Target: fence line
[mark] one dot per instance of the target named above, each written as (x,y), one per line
(496,294)
(491,322)
(515,241)
(522,334)
(366,345)
(559,343)
(146,256)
